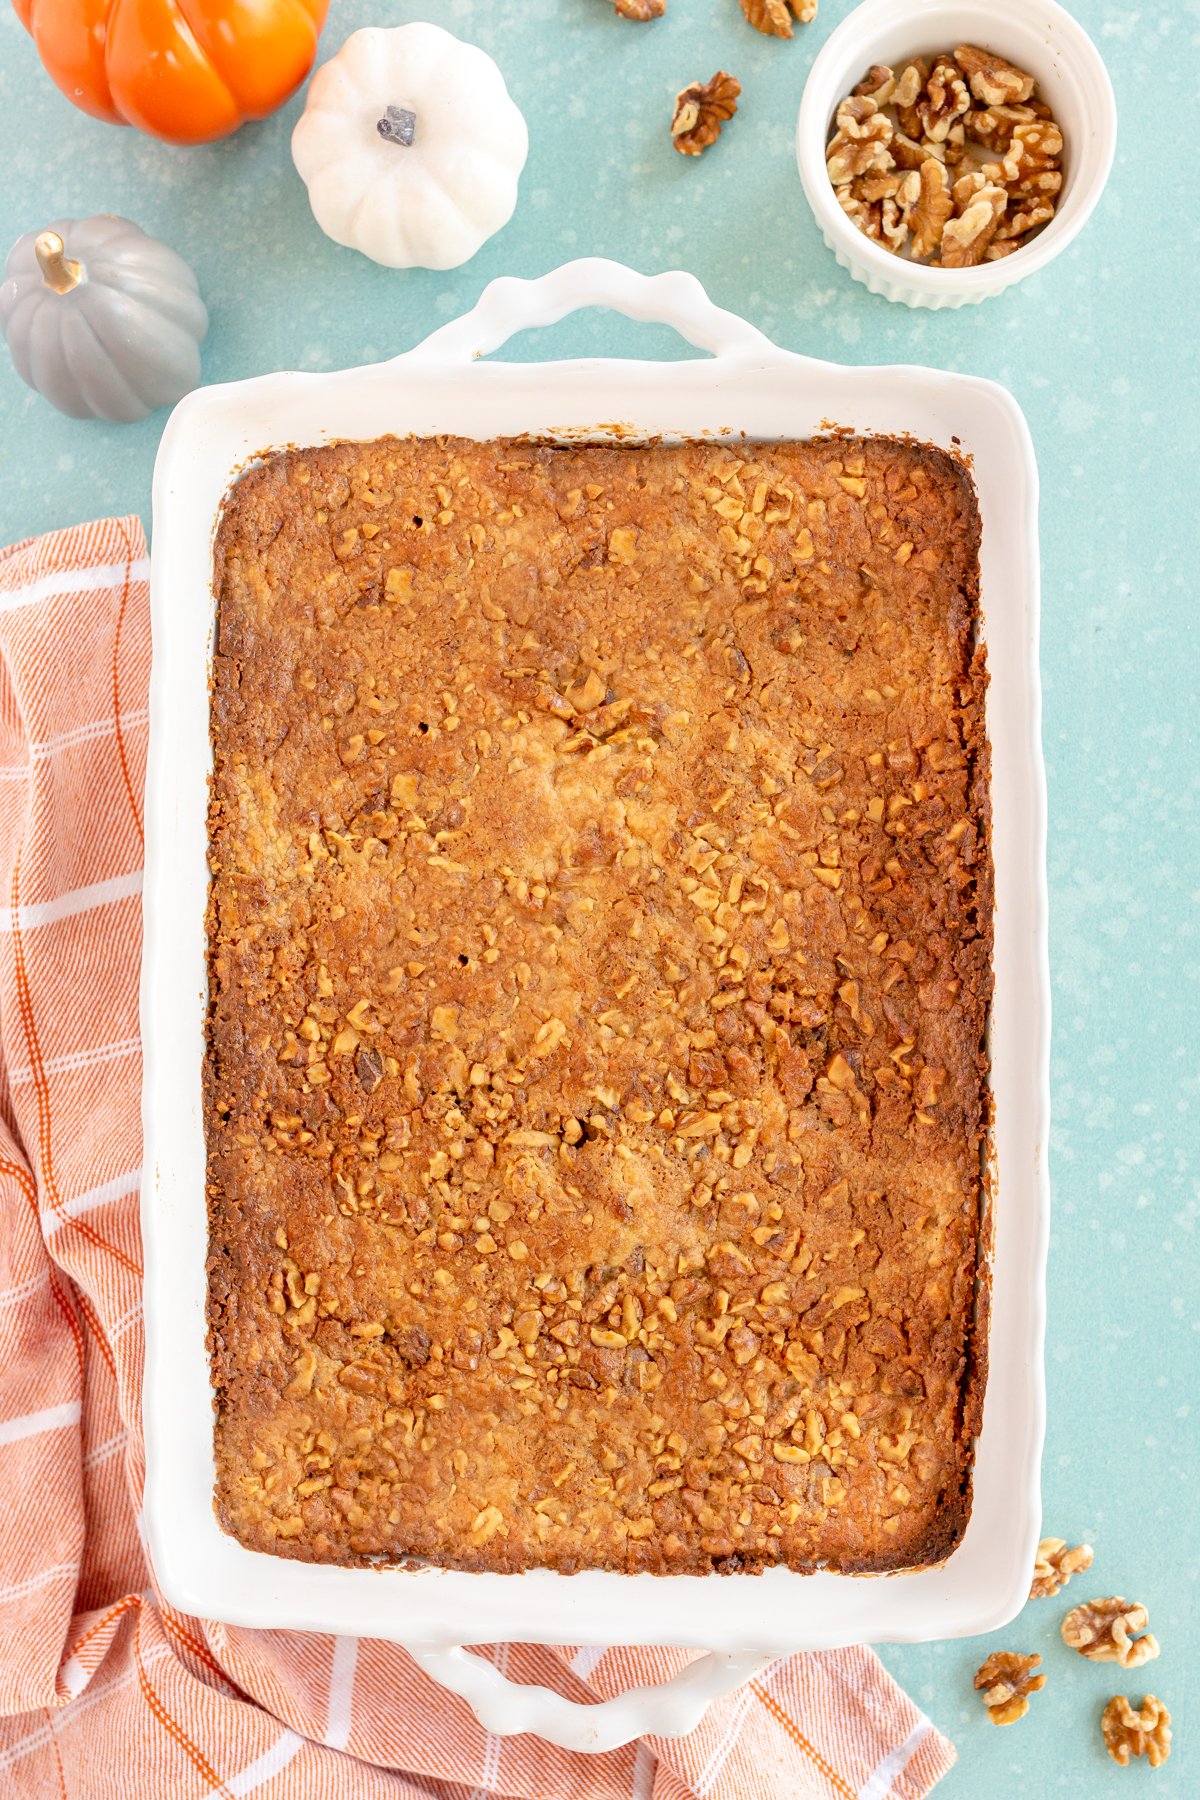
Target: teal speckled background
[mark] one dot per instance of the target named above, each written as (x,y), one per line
(1100,350)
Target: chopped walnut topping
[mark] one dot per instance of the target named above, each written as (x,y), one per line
(369,1067)
(1106,1631)
(1006,1681)
(970,112)
(701,110)
(1145,1731)
(641,9)
(771,16)
(1055,1564)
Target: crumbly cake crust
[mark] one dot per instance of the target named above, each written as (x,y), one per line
(600,954)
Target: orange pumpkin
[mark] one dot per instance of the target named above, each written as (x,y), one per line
(184,70)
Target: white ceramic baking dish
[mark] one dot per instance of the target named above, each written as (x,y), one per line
(747,387)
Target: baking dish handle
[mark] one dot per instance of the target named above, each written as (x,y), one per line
(507,1708)
(509,305)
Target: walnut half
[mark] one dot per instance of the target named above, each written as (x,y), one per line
(700,112)
(933,208)
(1128,1732)
(859,146)
(771,16)
(1055,1564)
(993,81)
(965,240)
(1006,1681)
(1106,1631)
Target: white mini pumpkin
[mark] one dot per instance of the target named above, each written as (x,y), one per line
(101,319)
(410,147)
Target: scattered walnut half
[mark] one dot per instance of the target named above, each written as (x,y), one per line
(968,112)
(641,9)
(771,16)
(1128,1732)
(1105,1631)
(1055,1564)
(701,110)
(1006,1681)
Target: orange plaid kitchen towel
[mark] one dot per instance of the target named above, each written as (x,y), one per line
(104,1689)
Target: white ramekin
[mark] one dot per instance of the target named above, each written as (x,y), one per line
(1036,35)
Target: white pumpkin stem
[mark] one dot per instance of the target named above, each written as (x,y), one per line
(398,126)
(59,271)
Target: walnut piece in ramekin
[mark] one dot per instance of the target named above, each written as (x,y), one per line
(950,160)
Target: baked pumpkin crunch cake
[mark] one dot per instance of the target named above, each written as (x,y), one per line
(600,934)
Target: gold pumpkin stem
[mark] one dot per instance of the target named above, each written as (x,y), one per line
(59,271)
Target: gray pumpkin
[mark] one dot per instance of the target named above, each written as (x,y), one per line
(101,319)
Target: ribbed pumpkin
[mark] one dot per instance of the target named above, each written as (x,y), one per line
(187,71)
(103,320)
(411,146)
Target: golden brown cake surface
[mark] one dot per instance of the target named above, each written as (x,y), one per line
(600,943)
